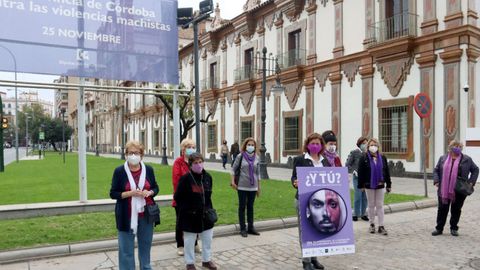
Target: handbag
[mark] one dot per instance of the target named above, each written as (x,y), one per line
(152,213)
(463,187)
(211,215)
(236,177)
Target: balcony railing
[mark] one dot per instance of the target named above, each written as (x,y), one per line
(292,58)
(210,83)
(244,73)
(397,26)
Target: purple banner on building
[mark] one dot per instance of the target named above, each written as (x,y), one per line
(325,212)
(108,39)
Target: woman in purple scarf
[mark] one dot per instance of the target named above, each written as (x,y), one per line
(373,176)
(450,166)
(248,186)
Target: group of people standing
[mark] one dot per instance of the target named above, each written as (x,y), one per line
(134,187)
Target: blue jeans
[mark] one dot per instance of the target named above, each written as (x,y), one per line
(126,246)
(359,199)
(190,238)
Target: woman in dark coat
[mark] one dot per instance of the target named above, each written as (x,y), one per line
(193,197)
(373,176)
(450,166)
(313,148)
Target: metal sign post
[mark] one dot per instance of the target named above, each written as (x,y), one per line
(423,107)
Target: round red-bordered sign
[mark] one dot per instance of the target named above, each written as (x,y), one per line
(423,105)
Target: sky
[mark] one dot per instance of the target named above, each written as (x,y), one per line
(235,8)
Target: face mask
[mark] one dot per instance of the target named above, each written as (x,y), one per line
(456,150)
(197,168)
(314,148)
(363,147)
(189,151)
(133,160)
(250,148)
(332,148)
(373,149)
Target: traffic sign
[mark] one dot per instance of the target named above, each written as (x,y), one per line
(423,105)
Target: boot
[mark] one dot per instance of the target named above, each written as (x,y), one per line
(308,266)
(317,265)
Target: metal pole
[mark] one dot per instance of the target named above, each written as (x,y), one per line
(422,158)
(176,126)
(197,87)
(263,163)
(63,135)
(122,150)
(26,133)
(96,136)
(164,148)
(16,101)
(2,165)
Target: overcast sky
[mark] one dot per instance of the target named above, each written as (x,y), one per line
(235,7)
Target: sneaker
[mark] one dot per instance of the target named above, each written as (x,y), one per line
(180,251)
(365,218)
(355,218)
(436,232)
(198,249)
(191,267)
(381,230)
(454,232)
(372,228)
(210,265)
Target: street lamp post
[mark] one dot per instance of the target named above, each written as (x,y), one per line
(63,110)
(164,148)
(16,101)
(26,132)
(122,150)
(96,136)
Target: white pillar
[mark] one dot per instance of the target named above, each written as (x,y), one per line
(82,143)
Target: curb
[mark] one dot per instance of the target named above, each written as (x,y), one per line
(20,255)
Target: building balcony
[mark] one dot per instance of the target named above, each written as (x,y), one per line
(244,73)
(295,57)
(210,83)
(398,26)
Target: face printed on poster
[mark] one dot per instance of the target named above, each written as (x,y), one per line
(326,228)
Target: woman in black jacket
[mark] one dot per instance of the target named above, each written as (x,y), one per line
(313,148)
(193,197)
(450,166)
(134,187)
(373,175)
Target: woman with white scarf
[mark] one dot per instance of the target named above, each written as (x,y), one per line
(134,187)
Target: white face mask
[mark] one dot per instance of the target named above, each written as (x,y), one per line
(133,159)
(250,148)
(332,148)
(373,149)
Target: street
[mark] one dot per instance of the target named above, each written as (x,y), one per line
(10,154)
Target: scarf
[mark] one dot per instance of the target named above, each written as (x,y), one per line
(330,157)
(251,169)
(376,170)
(449,178)
(138,203)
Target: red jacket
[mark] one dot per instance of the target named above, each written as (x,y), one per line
(180,167)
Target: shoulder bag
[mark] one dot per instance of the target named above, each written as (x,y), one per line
(463,187)
(152,213)
(236,177)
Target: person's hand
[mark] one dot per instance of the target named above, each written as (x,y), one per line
(389,189)
(436,184)
(355,173)
(233,185)
(136,193)
(362,189)
(258,193)
(295,183)
(147,193)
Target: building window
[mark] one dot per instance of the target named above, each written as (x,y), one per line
(212,136)
(396,127)
(292,132)
(142,137)
(213,79)
(396,18)
(246,127)
(156,139)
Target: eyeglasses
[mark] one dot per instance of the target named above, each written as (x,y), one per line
(134,153)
